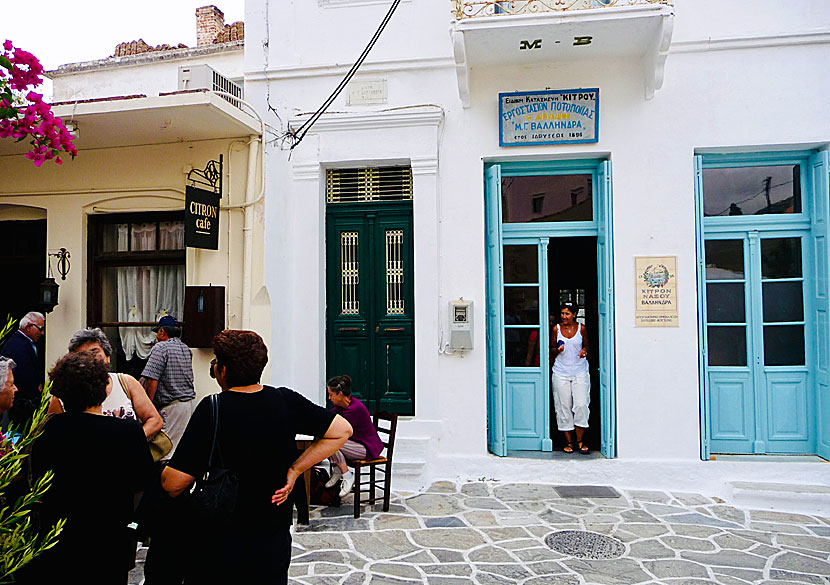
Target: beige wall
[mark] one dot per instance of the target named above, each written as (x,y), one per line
(140,178)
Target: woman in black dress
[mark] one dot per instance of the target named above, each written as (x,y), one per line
(99,462)
(257,441)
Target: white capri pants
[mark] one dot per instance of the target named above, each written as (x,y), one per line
(350,450)
(571,395)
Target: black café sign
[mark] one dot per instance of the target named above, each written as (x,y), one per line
(201,219)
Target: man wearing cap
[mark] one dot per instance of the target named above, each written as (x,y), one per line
(168,378)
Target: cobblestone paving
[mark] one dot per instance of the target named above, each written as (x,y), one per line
(493,533)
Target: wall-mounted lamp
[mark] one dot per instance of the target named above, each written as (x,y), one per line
(48,294)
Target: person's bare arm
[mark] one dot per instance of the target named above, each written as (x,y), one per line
(150,386)
(55,406)
(336,436)
(174,482)
(150,417)
(583,353)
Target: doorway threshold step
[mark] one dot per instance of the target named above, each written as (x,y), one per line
(785,497)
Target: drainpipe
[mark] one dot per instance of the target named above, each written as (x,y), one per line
(248,231)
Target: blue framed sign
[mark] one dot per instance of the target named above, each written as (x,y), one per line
(559,116)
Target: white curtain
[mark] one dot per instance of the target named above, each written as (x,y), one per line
(146,293)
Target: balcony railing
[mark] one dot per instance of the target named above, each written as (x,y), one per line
(476,8)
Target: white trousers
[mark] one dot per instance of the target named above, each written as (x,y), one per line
(571,395)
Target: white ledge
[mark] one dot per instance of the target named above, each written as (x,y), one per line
(539,39)
(425,115)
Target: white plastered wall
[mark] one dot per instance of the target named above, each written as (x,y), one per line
(144,74)
(739,76)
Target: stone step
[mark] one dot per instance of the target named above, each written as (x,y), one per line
(408,467)
(413,447)
(782,497)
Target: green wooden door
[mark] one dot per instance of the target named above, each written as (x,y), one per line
(369,291)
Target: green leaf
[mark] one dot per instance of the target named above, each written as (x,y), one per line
(4,61)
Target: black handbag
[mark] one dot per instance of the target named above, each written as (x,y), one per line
(213,500)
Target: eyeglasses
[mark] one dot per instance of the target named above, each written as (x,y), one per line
(212,365)
(41,329)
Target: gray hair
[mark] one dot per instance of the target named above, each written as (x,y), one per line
(6,364)
(29,318)
(85,336)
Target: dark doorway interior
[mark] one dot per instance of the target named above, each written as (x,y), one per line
(23,265)
(572,276)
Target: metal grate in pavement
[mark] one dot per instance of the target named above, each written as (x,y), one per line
(585,545)
(586,491)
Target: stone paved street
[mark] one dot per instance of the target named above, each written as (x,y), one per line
(494,533)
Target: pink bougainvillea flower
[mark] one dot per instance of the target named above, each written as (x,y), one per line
(28,115)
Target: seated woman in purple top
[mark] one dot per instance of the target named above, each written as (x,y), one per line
(365,442)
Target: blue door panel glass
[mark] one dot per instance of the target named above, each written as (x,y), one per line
(764,327)
(518,296)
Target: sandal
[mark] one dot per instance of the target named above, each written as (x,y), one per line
(583,448)
(568,448)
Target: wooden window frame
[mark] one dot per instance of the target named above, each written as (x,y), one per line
(99,260)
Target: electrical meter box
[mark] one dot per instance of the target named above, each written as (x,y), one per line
(461,325)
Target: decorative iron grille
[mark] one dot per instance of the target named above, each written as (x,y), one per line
(350,273)
(394,272)
(475,8)
(369,184)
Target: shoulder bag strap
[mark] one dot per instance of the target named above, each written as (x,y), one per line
(122,379)
(214,411)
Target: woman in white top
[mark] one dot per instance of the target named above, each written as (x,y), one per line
(127,403)
(571,383)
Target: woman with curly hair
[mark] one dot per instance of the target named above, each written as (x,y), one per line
(99,462)
(256,438)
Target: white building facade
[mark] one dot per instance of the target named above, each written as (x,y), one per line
(697,175)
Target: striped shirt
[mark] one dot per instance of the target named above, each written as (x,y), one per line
(171,363)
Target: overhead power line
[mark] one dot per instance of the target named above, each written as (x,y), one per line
(296,136)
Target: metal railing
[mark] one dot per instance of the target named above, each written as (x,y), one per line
(476,8)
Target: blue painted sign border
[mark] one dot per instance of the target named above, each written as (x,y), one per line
(549,92)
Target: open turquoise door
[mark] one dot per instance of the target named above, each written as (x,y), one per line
(701,311)
(496,420)
(820,167)
(605,264)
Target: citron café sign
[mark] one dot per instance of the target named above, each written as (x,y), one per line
(562,116)
(655,288)
(201,218)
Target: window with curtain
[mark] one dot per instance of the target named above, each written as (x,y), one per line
(137,275)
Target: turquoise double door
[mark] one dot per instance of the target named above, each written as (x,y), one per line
(763,272)
(548,240)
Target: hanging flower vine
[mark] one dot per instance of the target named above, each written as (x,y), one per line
(24,114)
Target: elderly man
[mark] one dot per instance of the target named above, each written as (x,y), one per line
(168,378)
(7,387)
(28,373)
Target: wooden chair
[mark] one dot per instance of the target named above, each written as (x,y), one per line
(386,424)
